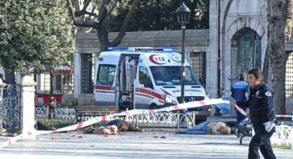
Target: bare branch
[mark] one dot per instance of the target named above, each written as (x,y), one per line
(84,12)
(123,28)
(112,6)
(89,30)
(79,21)
(102,15)
(86,4)
(85,23)
(102,11)
(72,9)
(103,5)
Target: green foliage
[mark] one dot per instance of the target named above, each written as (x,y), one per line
(281,146)
(56,123)
(35,34)
(154,15)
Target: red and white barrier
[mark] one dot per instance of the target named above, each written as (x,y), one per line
(285,116)
(240,110)
(92,121)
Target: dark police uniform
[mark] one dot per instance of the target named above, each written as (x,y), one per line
(261,109)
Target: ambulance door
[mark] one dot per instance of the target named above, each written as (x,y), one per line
(125,80)
(144,88)
(104,92)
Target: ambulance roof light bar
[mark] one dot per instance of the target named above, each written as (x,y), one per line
(117,48)
(142,49)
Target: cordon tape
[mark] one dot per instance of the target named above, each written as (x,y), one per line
(92,121)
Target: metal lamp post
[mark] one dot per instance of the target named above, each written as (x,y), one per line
(183,14)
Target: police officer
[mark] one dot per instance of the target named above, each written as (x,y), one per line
(239,92)
(262,114)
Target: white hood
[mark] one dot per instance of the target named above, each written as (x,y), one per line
(175,91)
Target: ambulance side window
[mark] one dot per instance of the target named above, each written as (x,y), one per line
(144,78)
(106,75)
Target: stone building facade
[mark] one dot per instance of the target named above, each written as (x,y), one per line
(235,42)
(238,32)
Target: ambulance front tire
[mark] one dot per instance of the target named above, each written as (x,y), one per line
(153,106)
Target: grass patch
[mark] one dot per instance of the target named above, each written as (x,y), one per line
(56,123)
(281,147)
(59,123)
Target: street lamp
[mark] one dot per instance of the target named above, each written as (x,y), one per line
(183,14)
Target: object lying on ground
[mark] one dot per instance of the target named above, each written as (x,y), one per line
(41,126)
(114,127)
(208,127)
(103,130)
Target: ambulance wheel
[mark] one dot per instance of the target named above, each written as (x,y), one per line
(153,106)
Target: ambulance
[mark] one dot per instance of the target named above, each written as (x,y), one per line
(143,78)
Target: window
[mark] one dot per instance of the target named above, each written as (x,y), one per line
(106,75)
(144,77)
(171,75)
(289,77)
(86,73)
(198,64)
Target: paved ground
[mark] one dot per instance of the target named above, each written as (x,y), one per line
(131,145)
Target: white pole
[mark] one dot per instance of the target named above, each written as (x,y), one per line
(27,88)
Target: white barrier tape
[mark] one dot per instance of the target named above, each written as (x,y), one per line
(278,116)
(14,139)
(240,110)
(11,141)
(92,121)
(284,116)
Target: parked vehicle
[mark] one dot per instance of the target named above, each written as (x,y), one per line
(144,78)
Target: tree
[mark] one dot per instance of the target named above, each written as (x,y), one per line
(279,31)
(35,34)
(134,15)
(153,15)
(95,14)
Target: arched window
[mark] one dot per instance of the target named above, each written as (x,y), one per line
(249,51)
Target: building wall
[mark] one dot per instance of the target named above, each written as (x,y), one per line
(240,14)
(234,17)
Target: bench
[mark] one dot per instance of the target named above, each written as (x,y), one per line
(94,111)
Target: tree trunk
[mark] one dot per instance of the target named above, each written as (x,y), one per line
(51,98)
(276,52)
(102,30)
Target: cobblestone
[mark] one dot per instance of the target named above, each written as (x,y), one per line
(149,144)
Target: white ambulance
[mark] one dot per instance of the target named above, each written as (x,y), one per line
(143,78)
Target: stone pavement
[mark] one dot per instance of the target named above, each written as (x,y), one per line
(75,145)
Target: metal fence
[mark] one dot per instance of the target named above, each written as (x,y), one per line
(160,119)
(10,114)
(283,136)
(289,78)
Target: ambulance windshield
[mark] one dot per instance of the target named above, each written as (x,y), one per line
(171,75)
